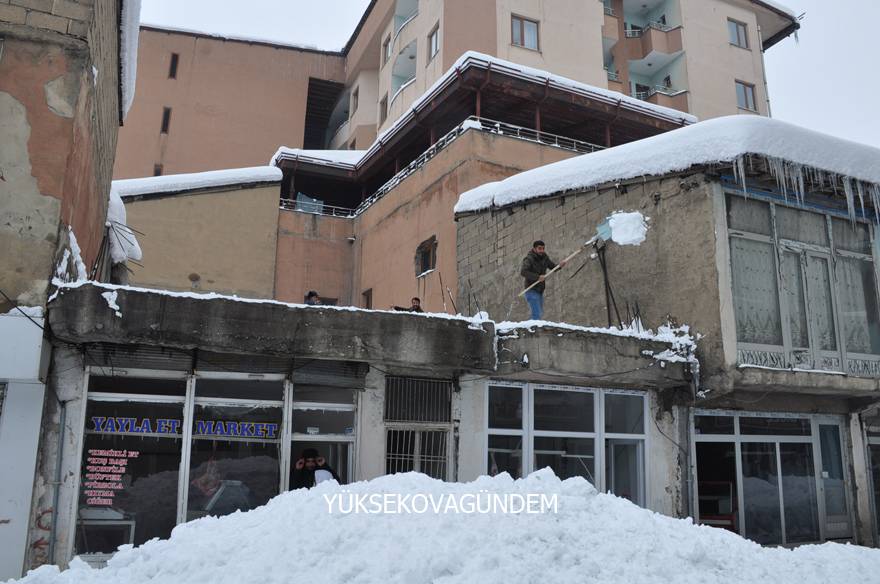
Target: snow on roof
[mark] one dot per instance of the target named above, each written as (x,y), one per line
(721,140)
(779,7)
(475,59)
(408,527)
(128,51)
(232,37)
(347,158)
(173,183)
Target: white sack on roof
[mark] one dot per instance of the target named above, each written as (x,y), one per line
(123,242)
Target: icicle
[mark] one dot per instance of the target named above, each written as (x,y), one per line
(850,198)
(739,173)
(861,191)
(875,202)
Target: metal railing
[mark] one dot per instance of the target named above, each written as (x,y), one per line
(483,125)
(315,208)
(662,89)
(609,11)
(613,76)
(634,33)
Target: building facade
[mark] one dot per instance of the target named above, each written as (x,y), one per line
(210,102)
(61,104)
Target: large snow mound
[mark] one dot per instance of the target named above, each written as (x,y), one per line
(591,538)
(171,183)
(720,140)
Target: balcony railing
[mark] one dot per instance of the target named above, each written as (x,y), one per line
(662,89)
(610,11)
(613,76)
(634,33)
(483,125)
(315,208)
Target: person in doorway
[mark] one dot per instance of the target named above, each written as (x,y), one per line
(312,298)
(415,306)
(311,469)
(534,267)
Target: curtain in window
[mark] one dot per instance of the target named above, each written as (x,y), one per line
(819,291)
(858,306)
(755,296)
(793,287)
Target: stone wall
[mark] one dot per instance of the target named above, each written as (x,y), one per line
(672,275)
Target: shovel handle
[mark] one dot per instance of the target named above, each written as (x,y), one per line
(558,267)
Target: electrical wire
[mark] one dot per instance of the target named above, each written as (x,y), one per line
(28,316)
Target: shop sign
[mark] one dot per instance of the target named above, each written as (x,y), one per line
(226,428)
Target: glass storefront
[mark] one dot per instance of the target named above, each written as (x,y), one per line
(597,434)
(775,479)
(161,451)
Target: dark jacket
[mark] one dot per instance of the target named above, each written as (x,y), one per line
(408,309)
(305,478)
(534,265)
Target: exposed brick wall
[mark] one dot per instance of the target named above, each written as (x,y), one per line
(672,273)
(70,17)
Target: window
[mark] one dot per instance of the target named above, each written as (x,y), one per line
(434,42)
(804,291)
(426,256)
(418,422)
(383,109)
(354,100)
(738,33)
(533,426)
(367,297)
(386,50)
(172,69)
(745,96)
(158,169)
(777,479)
(166,119)
(524,33)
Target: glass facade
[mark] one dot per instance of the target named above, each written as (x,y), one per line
(596,434)
(159,452)
(804,289)
(762,476)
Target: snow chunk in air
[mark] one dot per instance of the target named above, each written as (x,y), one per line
(790,149)
(628,228)
(172,183)
(588,537)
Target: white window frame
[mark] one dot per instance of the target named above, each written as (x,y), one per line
(433,42)
(742,33)
(750,94)
(738,439)
(516,19)
(528,433)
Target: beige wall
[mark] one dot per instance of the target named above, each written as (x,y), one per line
(713,64)
(570,37)
(389,232)
(218,241)
(314,253)
(233,103)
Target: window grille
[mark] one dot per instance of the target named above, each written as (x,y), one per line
(409,399)
(412,449)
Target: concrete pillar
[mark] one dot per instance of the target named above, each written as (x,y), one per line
(471,410)
(370,455)
(864,522)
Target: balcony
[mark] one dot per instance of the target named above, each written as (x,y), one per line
(610,27)
(654,39)
(614,81)
(665,96)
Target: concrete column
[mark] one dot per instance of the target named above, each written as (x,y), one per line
(370,455)
(19,441)
(471,409)
(861,488)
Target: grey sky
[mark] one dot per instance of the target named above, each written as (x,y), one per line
(823,82)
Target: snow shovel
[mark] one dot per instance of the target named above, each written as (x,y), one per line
(603,233)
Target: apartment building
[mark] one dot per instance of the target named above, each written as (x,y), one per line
(208,102)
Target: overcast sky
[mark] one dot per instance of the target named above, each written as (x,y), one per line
(826,81)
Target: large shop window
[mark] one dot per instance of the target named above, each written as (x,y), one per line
(235,441)
(777,480)
(592,433)
(804,289)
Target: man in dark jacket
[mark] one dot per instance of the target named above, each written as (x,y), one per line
(534,266)
(311,469)
(415,306)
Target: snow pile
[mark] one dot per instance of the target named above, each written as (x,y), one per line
(173,183)
(683,345)
(628,228)
(128,51)
(26,311)
(347,158)
(123,242)
(110,298)
(794,155)
(588,537)
(76,253)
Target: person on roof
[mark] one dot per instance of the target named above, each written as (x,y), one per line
(534,266)
(415,306)
(312,298)
(310,470)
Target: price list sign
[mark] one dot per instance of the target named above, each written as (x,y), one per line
(104,470)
